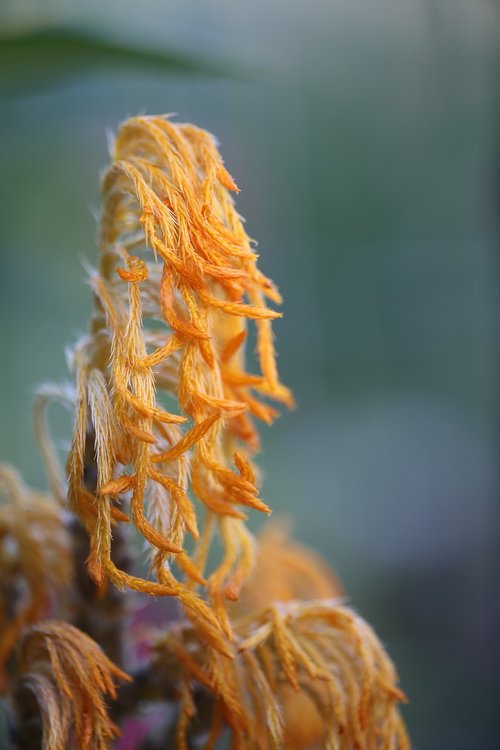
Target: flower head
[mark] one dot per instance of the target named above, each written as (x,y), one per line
(165,411)
(163,392)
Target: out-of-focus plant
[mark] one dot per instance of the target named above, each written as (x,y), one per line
(42,58)
(264,648)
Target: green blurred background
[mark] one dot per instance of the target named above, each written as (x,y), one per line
(366,137)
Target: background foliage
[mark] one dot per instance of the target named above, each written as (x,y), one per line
(365,136)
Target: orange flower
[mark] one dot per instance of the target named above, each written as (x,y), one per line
(163,440)
(302,673)
(162,388)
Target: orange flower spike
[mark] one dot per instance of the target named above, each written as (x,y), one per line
(176,285)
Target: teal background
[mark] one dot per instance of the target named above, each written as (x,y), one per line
(365,137)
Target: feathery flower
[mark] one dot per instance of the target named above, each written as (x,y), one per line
(162,390)
(68,676)
(163,442)
(318,651)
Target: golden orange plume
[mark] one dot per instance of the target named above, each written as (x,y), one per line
(302,673)
(162,390)
(163,440)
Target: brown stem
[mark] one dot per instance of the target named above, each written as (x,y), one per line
(99,613)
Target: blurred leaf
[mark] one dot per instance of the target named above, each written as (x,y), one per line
(44,58)
(4,742)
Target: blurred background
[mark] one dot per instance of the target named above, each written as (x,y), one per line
(365,135)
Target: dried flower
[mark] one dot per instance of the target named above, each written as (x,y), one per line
(163,443)
(68,675)
(171,318)
(319,651)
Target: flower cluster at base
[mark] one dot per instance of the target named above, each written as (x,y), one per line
(163,443)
